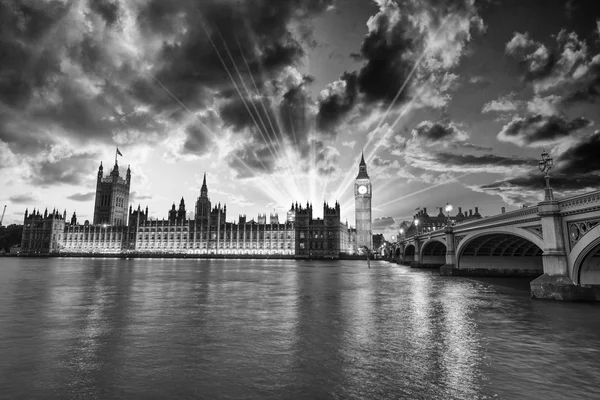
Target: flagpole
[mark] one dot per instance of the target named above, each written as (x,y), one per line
(116,152)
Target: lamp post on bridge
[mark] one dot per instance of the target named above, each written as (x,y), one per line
(449,267)
(417,226)
(545,165)
(448,209)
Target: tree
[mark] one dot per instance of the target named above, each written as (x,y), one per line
(10,235)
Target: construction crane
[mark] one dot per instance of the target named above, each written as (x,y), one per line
(2,218)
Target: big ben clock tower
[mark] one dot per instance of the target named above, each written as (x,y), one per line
(362,207)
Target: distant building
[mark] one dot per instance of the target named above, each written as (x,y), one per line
(378,240)
(429,223)
(119,229)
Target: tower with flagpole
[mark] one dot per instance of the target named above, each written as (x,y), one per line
(112,195)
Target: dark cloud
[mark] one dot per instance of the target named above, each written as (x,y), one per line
(78,76)
(135,197)
(82,196)
(469,160)
(197,140)
(107,9)
(253,36)
(470,146)
(338,102)
(529,189)
(537,129)
(575,170)
(251,161)
(74,169)
(435,131)
(22,199)
(566,68)
(242,113)
(395,40)
(560,182)
(24,70)
(581,158)
(383,223)
(295,116)
(386,69)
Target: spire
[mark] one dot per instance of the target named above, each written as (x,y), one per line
(204,189)
(362,168)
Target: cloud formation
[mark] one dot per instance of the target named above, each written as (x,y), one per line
(539,130)
(505,103)
(566,69)
(104,72)
(89,196)
(576,170)
(409,44)
(22,199)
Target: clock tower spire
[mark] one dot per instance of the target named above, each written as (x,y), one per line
(362,206)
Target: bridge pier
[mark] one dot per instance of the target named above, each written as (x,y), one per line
(450,266)
(416,262)
(555,283)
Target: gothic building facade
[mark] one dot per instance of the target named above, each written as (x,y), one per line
(112,197)
(118,230)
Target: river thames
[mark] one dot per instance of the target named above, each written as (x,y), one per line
(283,329)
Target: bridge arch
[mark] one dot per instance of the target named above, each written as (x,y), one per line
(433,253)
(409,252)
(586,267)
(504,251)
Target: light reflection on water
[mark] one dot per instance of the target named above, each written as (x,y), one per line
(269,329)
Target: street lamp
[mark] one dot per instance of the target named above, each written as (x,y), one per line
(401,234)
(417,225)
(545,165)
(448,209)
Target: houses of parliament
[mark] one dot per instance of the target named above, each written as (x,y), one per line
(117,228)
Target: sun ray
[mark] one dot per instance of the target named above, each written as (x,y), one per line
(284,160)
(347,181)
(236,88)
(453,179)
(267,188)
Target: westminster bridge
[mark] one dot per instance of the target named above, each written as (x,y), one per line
(557,242)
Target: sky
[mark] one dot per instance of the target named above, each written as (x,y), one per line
(451,101)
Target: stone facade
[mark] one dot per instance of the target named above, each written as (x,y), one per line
(207,233)
(43,233)
(112,197)
(362,206)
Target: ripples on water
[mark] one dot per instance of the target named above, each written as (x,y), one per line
(273,329)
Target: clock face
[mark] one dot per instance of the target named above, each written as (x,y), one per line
(362,189)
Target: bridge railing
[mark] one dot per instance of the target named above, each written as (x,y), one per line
(580,201)
(516,214)
(567,205)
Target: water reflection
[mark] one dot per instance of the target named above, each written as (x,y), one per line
(271,329)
